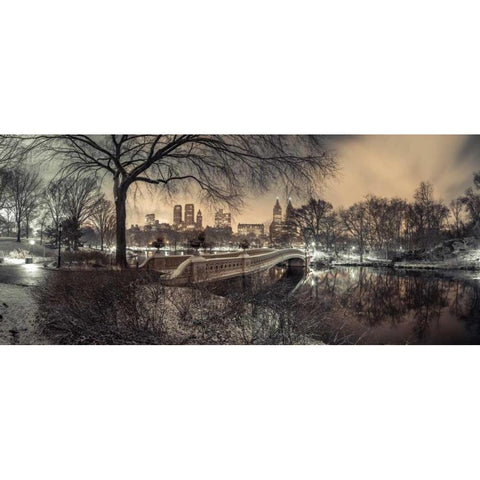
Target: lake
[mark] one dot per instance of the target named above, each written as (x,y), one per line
(361,305)
(385,306)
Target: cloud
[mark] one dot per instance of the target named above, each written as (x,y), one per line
(394,165)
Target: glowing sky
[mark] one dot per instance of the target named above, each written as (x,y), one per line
(386,165)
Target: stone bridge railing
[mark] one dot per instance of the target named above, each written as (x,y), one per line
(184,269)
(169,263)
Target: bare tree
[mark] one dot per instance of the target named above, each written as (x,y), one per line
(103,220)
(30,211)
(14,149)
(24,188)
(385,217)
(356,224)
(456,210)
(54,199)
(82,197)
(471,200)
(222,168)
(8,219)
(313,220)
(4,194)
(426,216)
(42,220)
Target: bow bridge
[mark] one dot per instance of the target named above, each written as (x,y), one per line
(200,268)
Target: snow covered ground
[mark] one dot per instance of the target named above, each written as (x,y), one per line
(13,253)
(456,254)
(17,316)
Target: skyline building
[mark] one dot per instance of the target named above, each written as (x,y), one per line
(177,215)
(277,212)
(257,229)
(189,214)
(150,219)
(223,219)
(283,229)
(290,230)
(199,222)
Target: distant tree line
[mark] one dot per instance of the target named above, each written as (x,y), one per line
(387,225)
(74,203)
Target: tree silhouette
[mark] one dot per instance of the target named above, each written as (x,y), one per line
(158,243)
(223,168)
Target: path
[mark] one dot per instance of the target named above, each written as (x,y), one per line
(17,307)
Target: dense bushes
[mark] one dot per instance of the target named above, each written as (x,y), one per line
(100,308)
(133,307)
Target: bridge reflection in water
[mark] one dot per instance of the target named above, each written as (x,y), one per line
(276,282)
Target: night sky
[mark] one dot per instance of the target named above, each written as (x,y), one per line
(385,165)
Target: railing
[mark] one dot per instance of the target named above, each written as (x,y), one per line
(171,262)
(162,263)
(202,268)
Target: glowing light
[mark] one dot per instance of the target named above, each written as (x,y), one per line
(32,242)
(30,267)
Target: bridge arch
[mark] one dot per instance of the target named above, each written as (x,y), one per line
(216,267)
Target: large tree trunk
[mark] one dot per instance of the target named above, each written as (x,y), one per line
(19,231)
(120,196)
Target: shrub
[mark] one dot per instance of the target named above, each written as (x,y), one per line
(133,307)
(105,307)
(19,253)
(87,257)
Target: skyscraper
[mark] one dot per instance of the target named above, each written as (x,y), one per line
(277,212)
(276,227)
(223,219)
(177,215)
(289,210)
(199,219)
(189,214)
(290,228)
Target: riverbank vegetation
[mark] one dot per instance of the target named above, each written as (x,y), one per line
(394,229)
(133,307)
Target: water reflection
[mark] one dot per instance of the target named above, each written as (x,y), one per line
(391,307)
(274,282)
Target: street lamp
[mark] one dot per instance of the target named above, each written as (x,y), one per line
(59,246)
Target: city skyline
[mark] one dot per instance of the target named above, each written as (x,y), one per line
(387,165)
(222,219)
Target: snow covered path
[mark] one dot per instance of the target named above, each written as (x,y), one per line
(17,311)
(17,307)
